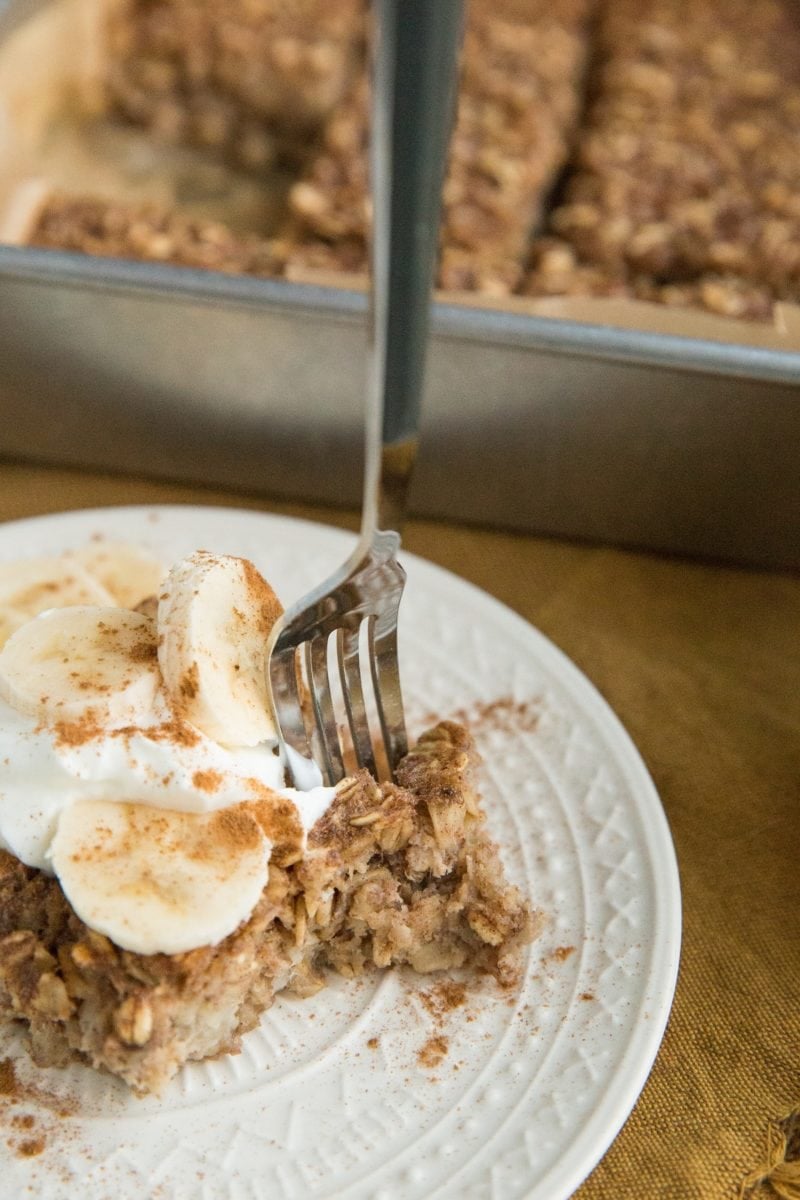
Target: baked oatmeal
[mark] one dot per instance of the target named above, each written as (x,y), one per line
(687,172)
(138,779)
(147,232)
(240,81)
(519,100)
(624,149)
(250,81)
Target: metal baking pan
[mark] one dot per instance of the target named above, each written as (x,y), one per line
(610,429)
(556,427)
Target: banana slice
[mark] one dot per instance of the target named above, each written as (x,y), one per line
(214,617)
(129,573)
(157,881)
(69,661)
(32,585)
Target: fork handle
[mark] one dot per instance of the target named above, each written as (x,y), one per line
(414,92)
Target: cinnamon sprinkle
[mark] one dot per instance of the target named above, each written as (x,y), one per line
(269,606)
(503,714)
(30,1149)
(179,732)
(433,1051)
(278,818)
(8,1078)
(190,683)
(444,998)
(14,1091)
(144,651)
(39,1126)
(78,732)
(231,831)
(207,781)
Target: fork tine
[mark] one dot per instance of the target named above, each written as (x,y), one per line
(288,704)
(325,735)
(350,673)
(386,684)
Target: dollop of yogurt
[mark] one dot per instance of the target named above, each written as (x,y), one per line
(156,761)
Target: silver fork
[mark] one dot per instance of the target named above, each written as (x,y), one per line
(414,85)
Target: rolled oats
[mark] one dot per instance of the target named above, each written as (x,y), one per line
(686,173)
(239,75)
(150,232)
(519,101)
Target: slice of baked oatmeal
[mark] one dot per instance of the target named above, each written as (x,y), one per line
(147,232)
(391,874)
(684,180)
(249,81)
(519,102)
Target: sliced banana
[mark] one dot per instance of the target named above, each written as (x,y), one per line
(215,613)
(129,573)
(158,881)
(32,585)
(70,661)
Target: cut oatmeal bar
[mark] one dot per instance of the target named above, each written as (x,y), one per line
(150,232)
(247,78)
(519,100)
(687,174)
(556,269)
(391,875)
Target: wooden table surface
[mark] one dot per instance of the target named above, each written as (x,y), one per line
(702,664)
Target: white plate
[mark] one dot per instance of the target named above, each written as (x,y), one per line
(329,1097)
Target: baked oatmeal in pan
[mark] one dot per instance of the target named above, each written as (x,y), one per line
(600,149)
(686,174)
(236,80)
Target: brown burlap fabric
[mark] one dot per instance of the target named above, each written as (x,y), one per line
(702,663)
